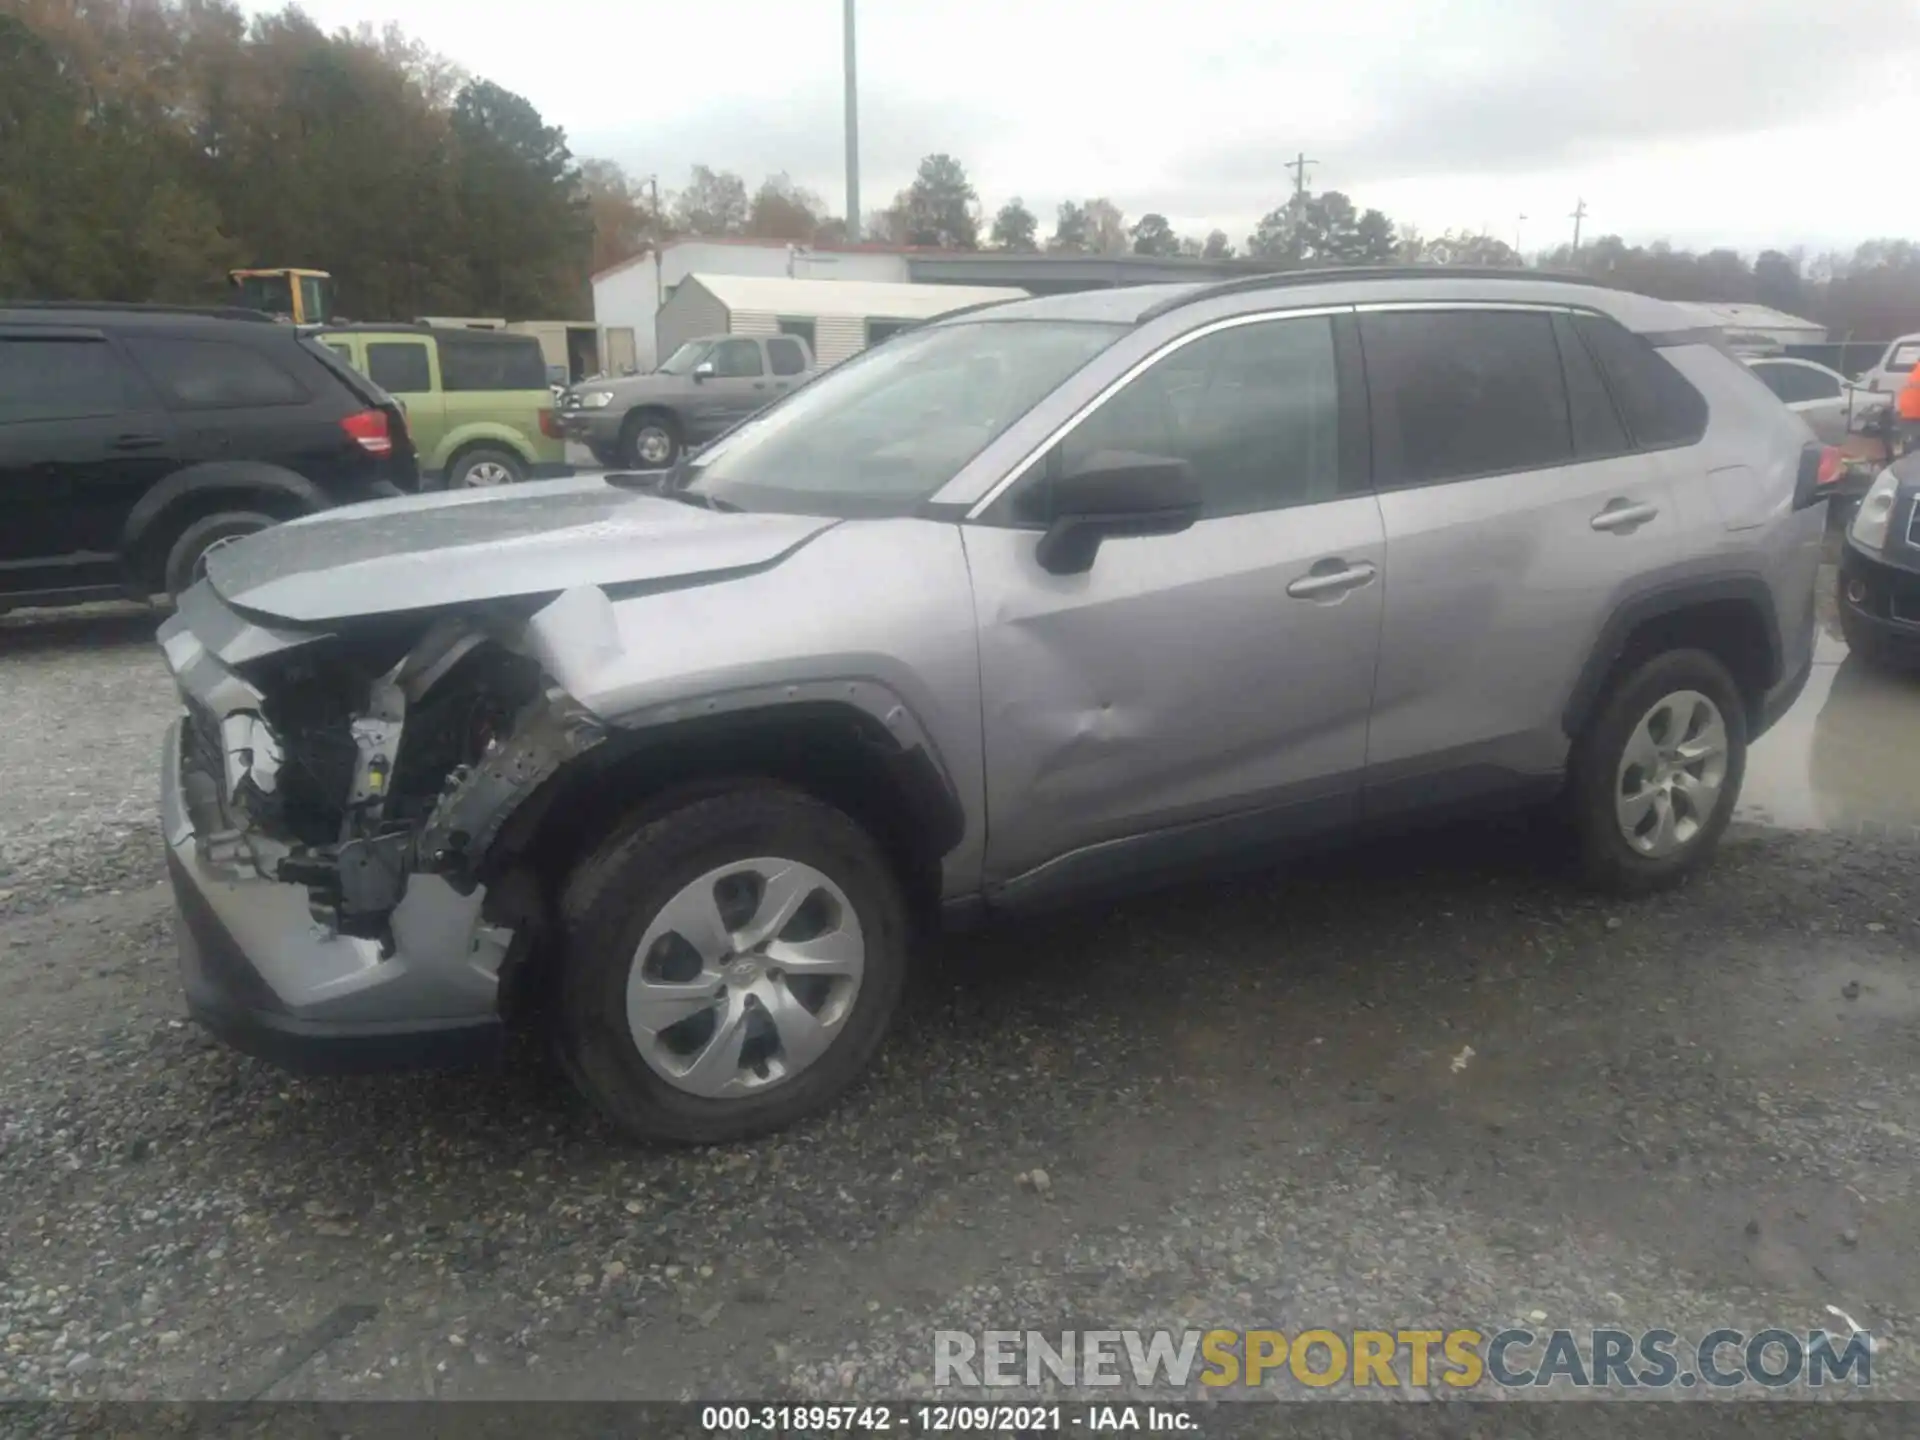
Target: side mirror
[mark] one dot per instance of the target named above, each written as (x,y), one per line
(1114,493)
(703,371)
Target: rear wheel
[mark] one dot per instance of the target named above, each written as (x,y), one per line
(731,965)
(187,558)
(1656,775)
(649,441)
(484,467)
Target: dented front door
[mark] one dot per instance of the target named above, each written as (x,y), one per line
(1176,696)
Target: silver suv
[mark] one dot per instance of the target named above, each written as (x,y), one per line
(1035,603)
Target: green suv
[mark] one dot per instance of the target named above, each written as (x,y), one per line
(478,403)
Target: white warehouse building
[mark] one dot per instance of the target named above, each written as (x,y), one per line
(633,292)
(837,318)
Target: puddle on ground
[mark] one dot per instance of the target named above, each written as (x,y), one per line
(1846,756)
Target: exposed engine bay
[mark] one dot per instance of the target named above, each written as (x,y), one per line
(344,764)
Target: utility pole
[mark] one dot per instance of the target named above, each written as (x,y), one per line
(853,130)
(1518,221)
(652,182)
(1298,165)
(1579,214)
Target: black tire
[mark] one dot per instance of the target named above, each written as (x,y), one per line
(485,459)
(605,456)
(616,893)
(634,435)
(186,558)
(1608,862)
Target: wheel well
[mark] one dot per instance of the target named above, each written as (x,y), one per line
(1732,631)
(149,558)
(838,755)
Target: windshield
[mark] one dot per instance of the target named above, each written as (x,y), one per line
(271,293)
(885,430)
(682,361)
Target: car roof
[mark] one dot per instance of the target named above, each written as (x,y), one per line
(1135,304)
(438,332)
(129,316)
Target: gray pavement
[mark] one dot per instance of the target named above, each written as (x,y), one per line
(1425,1082)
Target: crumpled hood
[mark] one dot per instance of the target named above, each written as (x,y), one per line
(424,551)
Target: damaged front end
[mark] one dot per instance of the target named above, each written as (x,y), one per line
(330,801)
(345,770)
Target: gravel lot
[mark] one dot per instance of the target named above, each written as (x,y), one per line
(1427,1082)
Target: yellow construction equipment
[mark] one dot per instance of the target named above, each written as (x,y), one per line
(303,296)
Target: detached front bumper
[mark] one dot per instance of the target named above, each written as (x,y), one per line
(264,976)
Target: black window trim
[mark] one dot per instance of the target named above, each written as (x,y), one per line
(1368,307)
(999,507)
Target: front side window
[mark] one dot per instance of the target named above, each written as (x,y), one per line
(689,355)
(1460,393)
(737,360)
(399,367)
(58,380)
(882,432)
(1254,410)
(214,375)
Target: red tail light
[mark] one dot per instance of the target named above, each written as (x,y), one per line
(550,427)
(1832,464)
(370,431)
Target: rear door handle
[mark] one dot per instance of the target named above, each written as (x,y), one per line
(1329,578)
(137,442)
(1623,515)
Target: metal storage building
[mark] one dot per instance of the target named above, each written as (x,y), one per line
(838,318)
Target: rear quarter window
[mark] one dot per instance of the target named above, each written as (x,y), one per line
(215,374)
(1660,407)
(491,364)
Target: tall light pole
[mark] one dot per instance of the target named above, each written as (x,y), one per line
(1518,221)
(853,130)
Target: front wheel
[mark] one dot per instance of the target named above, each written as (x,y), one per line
(1656,774)
(731,965)
(649,442)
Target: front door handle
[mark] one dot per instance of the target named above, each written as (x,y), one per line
(1623,516)
(1331,577)
(137,442)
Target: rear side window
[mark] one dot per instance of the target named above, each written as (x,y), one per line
(1904,358)
(491,364)
(399,366)
(215,375)
(58,380)
(1597,431)
(786,356)
(1797,382)
(1659,406)
(1460,393)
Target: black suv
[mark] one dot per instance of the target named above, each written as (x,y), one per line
(133,438)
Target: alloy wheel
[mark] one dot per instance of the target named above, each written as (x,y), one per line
(653,445)
(1671,775)
(745,977)
(488,472)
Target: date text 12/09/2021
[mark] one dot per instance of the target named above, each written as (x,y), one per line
(903,1418)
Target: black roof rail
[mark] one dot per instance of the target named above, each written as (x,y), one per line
(1333,274)
(131,307)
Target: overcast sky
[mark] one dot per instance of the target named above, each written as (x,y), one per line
(1737,122)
